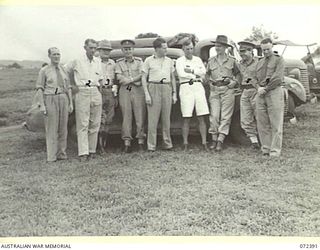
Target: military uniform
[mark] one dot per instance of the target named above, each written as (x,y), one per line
(131,99)
(248,96)
(221,97)
(108,99)
(54,82)
(270,106)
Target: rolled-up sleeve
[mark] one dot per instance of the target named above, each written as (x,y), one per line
(40,84)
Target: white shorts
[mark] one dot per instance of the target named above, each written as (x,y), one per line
(193,96)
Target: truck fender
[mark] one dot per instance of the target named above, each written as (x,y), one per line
(296,90)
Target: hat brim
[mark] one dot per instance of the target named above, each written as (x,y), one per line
(247,44)
(224,44)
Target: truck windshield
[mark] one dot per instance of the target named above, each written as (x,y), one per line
(294,52)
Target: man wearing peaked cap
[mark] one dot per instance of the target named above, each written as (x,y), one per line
(224,75)
(249,90)
(131,95)
(247,45)
(127,43)
(108,91)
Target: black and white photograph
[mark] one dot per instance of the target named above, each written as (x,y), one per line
(160,119)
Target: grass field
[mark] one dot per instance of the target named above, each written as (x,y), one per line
(237,192)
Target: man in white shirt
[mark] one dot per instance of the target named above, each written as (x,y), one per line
(88,75)
(191,71)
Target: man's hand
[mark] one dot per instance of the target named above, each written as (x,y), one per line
(125,81)
(188,70)
(232,84)
(74,89)
(42,109)
(148,99)
(70,108)
(174,97)
(138,83)
(114,90)
(261,91)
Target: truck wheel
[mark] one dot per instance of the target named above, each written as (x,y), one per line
(237,134)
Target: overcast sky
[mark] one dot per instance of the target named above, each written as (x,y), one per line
(27,32)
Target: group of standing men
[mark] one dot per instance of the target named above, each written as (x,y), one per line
(150,86)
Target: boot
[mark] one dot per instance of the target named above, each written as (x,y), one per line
(213,145)
(127,149)
(219,146)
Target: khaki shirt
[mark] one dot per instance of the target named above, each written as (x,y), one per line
(228,68)
(158,68)
(129,68)
(86,72)
(48,81)
(108,71)
(271,67)
(248,71)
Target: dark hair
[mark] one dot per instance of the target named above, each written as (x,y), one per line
(188,42)
(89,40)
(266,40)
(158,42)
(49,50)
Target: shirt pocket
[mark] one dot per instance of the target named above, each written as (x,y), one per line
(50,81)
(227,69)
(271,66)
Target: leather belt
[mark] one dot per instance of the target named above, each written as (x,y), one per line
(191,81)
(219,83)
(249,86)
(160,82)
(106,86)
(87,87)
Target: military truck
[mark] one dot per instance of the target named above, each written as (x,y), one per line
(294,92)
(311,78)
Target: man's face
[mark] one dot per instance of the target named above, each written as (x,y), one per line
(246,54)
(90,49)
(104,53)
(267,49)
(127,51)
(162,51)
(188,50)
(220,49)
(54,56)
